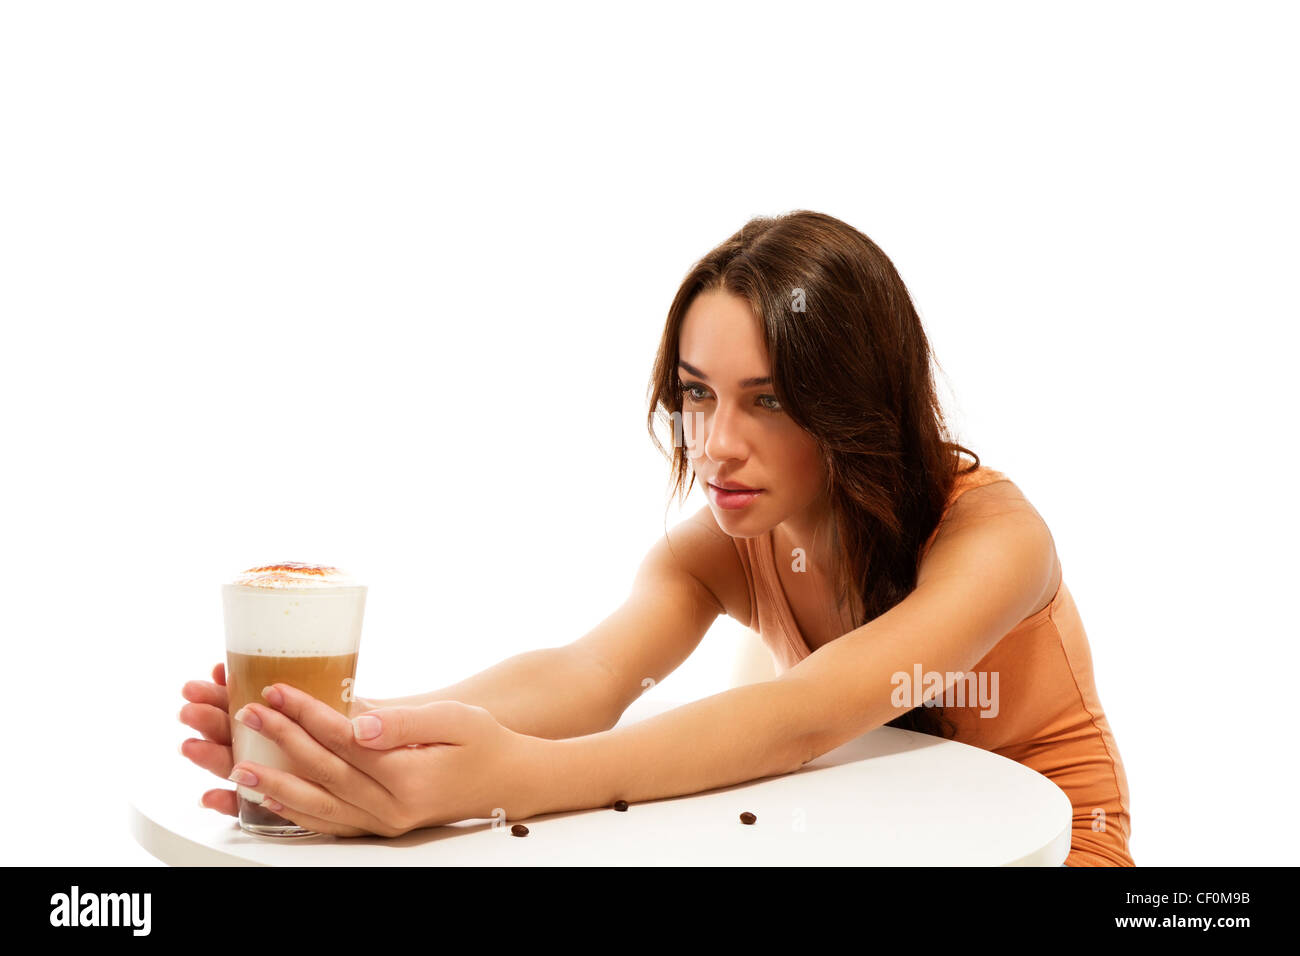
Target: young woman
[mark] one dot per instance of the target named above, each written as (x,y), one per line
(842,526)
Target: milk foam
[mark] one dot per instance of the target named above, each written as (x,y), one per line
(293,610)
(295,574)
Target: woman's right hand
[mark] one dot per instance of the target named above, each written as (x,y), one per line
(208,712)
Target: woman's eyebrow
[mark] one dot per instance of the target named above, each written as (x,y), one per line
(744,383)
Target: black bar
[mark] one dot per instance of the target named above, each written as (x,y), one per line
(246,905)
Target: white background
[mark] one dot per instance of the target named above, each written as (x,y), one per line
(380,285)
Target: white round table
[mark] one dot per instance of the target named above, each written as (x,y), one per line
(889,798)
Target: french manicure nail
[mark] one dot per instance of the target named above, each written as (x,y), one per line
(273,697)
(366,727)
(248,718)
(246,777)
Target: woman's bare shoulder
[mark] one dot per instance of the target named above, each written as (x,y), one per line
(710,554)
(995,498)
(1000,500)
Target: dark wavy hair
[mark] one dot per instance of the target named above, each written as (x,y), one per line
(851,365)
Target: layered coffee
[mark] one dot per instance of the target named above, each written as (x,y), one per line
(295,624)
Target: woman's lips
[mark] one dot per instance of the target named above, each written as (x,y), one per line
(732,499)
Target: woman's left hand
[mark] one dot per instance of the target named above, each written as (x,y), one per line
(449,761)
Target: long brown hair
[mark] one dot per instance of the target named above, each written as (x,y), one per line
(851,365)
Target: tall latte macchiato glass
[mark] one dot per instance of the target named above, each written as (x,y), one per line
(296,624)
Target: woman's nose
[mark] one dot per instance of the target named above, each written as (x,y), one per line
(723,438)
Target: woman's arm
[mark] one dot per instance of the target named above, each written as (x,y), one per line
(740,734)
(982,577)
(552,692)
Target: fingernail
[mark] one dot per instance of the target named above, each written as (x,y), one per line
(180,748)
(246,777)
(364,728)
(273,805)
(202,804)
(248,718)
(273,697)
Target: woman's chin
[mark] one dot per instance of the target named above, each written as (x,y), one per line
(742,523)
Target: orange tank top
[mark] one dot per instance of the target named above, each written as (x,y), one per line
(1050,718)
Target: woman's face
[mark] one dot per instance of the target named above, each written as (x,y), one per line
(735,431)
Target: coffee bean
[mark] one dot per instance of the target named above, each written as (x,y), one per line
(620,805)
(747,817)
(519,830)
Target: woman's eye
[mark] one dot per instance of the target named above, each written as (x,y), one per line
(687,388)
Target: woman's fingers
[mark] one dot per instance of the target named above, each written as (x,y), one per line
(309,805)
(206,692)
(210,756)
(207,710)
(442,721)
(317,740)
(213,723)
(223,801)
(208,713)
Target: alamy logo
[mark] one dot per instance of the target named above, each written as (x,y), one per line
(959,689)
(101,909)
